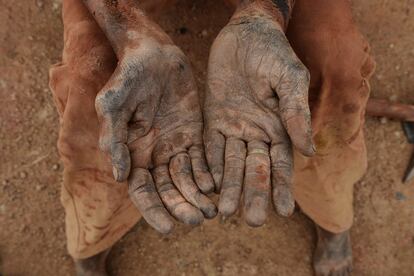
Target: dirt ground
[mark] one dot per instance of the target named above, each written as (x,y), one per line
(32,239)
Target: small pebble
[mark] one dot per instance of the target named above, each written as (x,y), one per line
(55,167)
(55,6)
(3,209)
(393,98)
(204,33)
(183,30)
(23,228)
(383,120)
(23,175)
(400,196)
(39,3)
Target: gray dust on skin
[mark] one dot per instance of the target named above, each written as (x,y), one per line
(333,254)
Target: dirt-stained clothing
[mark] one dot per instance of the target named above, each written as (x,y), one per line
(324,36)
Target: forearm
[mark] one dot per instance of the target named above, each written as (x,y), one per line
(279,10)
(124,24)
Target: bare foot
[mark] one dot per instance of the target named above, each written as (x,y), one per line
(333,254)
(92,266)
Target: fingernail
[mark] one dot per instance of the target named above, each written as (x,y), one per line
(314,148)
(115,173)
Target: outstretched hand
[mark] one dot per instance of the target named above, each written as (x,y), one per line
(256,107)
(152,127)
(151,122)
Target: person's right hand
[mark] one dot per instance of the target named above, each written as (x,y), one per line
(151,126)
(151,123)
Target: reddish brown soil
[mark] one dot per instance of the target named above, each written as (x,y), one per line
(32,240)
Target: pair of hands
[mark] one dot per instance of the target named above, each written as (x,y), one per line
(255,108)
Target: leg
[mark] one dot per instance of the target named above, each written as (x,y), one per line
(98,210)
(92,266)
(333,253)
(326,39)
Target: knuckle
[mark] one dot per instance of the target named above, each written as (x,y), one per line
(177,59)
(174,51)
(104,101)
(299,72)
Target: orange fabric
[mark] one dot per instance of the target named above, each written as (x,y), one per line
(98,210)
(327,41)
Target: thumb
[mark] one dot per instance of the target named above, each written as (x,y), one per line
(292,90)
(114,135)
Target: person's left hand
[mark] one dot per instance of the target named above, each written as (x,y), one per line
(256,104)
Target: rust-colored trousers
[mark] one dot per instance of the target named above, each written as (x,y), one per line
(98,210)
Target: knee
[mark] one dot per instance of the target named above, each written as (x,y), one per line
(77,146)
(344,56)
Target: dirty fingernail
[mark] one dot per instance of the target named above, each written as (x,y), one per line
(115,173)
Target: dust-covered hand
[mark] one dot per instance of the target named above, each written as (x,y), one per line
(151,120)
(256,107)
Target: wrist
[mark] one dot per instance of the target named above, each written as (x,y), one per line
(125,25)
(278,11)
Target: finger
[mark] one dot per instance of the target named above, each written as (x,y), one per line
(292,91)
(180,171)
(173,200)
(113,137)
(282,169)
(202,176)
(214,143)
(257,183)
(235,156)
(143,194)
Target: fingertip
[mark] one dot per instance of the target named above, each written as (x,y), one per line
(256,214)
(285,210)
(159,219)
(189,215)
(166,227)
(194,221)
(302,142)
(208,208)
(309,151)
(300,132)
(227,208)
(210,211)
(283,201)
(255,220)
